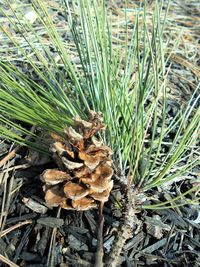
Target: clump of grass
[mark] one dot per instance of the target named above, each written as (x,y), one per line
(121,73)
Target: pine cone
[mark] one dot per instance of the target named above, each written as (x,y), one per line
(86,172)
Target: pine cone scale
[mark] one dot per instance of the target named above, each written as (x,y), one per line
(88,167)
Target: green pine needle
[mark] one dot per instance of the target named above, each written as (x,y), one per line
(122,75)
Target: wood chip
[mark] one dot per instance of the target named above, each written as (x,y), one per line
(34,205)
(50,221)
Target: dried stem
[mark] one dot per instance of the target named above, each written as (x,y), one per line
(99,252)
(7,261)
(9,156)
(126,229)
(10,229)
(51,256)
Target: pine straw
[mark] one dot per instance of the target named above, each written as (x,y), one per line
(182,26)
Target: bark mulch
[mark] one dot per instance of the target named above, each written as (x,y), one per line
(34,235)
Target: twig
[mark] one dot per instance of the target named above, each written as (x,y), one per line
(5,232)
(99,252)
(126,229)
(51,255)
(9,156)
(22,166)
(7,261)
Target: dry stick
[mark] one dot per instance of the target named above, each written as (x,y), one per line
(51,256)
(22,166)
(5,232)
(7,261)
(9,156)
(99,252)
(125,231)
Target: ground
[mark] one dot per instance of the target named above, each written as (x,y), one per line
(33,235)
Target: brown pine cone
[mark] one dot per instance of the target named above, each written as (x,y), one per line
(87,167)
